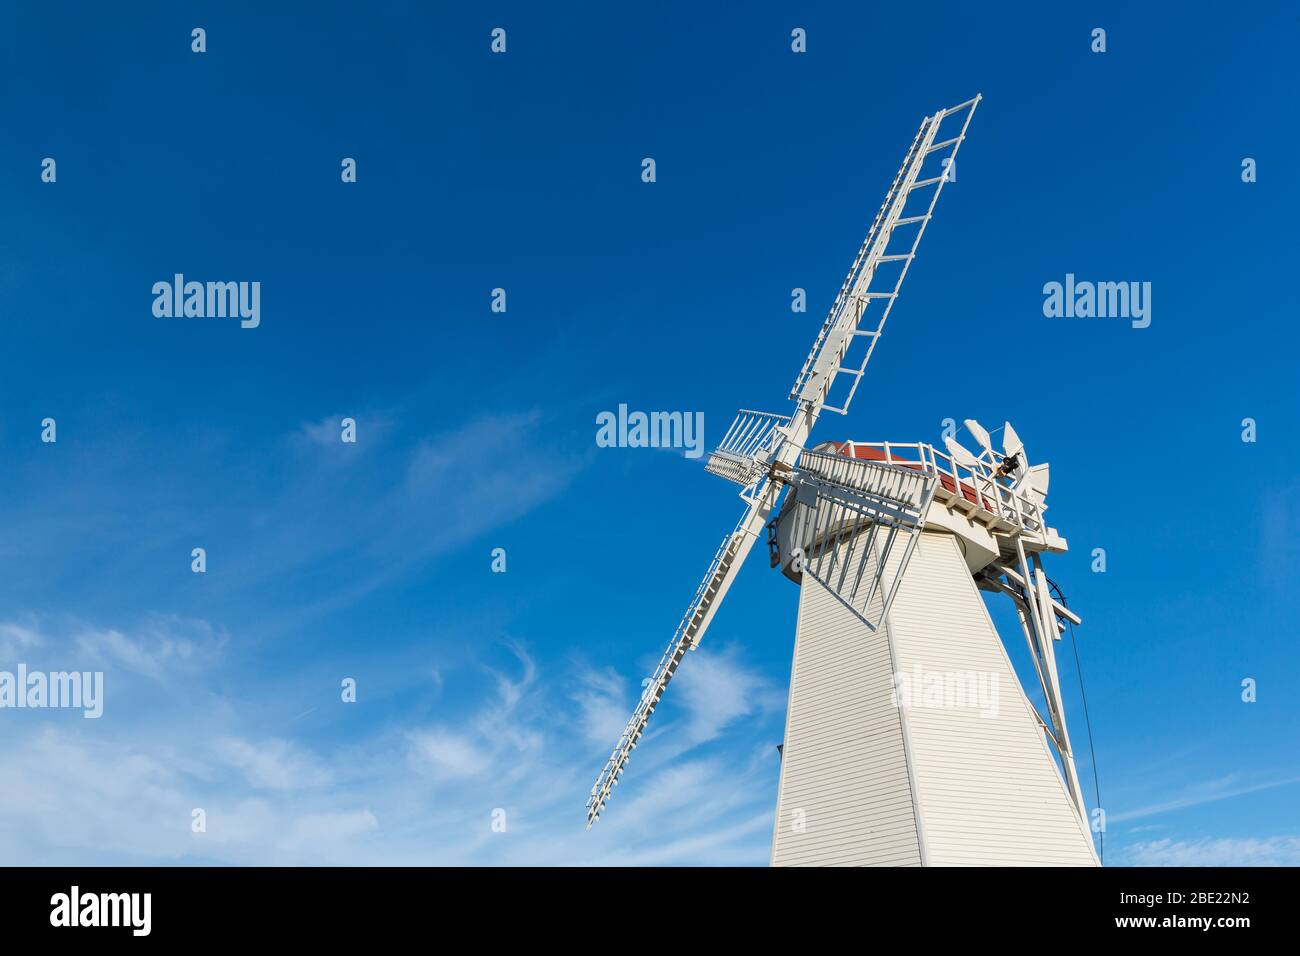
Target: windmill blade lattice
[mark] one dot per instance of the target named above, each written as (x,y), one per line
(761,449)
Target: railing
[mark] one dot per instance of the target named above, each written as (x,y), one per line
(747,446)
(835,497)
(887,480)
(993,494)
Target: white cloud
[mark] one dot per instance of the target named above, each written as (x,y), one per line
(421,500)
(667,791)
(1209,791)
(494,470)
(733,845)
(315,829)
(718,690)
(493,735)
(1267,851)
(64,794)
(604,705)
(404,792)
(321,440)
(272,764)
(327,431)
(156,647)
(117,647)
(512,692)
(76,799)
(16,640)
(448,755)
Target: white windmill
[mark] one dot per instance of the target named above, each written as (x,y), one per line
(909,739)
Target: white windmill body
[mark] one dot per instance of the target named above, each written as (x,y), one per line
(909,739)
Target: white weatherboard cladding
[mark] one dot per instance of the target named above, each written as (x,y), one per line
(844,796)
(988,786)
(938,785)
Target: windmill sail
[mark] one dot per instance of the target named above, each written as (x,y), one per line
(929,163)
(746,449)
(763,452)
(713,588)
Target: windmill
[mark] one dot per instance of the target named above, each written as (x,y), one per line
(890,544)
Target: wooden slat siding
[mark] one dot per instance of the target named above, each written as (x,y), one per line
(989,788)
(844,762)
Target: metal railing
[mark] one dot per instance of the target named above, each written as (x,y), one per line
(993,494)
(745,449)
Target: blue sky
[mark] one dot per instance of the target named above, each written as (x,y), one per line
(479,691)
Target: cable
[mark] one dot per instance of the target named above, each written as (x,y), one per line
(1078,669)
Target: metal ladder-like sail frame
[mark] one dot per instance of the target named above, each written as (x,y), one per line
(717,580)
(761,450)
(844,322)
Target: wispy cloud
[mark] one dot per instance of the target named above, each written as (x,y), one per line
(493,736)
(16,640)
(448,755)
(604,704)
(717,690)
(74,799)
(155,646)
(424,498)
(1268,851)
(405,792)
(491,471)
(290,531)
(272,764)
(158,646)
(1279,523)
(325,432)
(710,693)
(1210,791)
